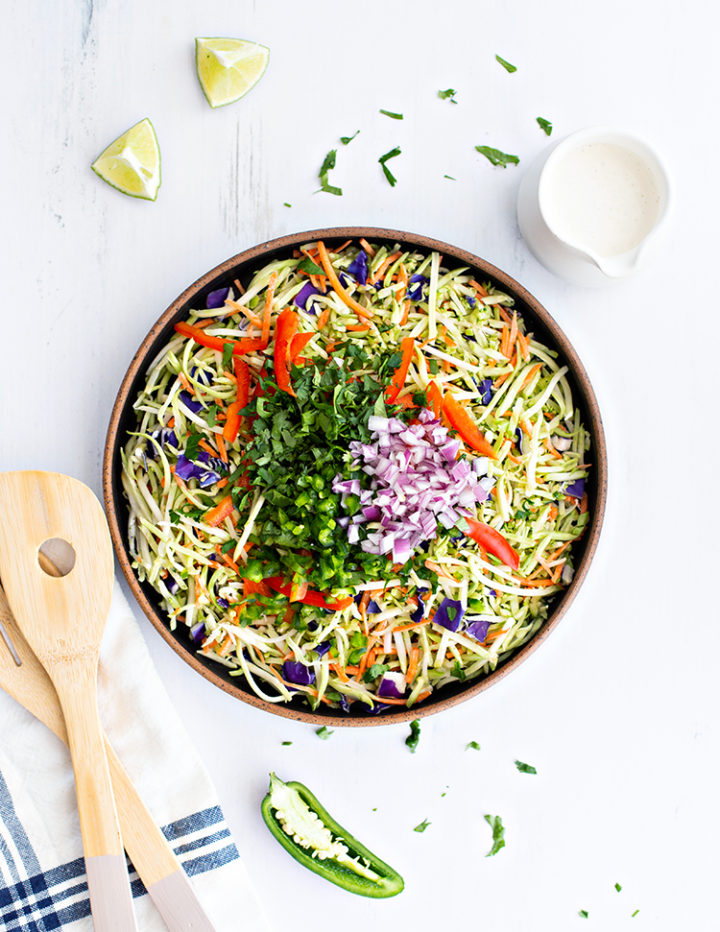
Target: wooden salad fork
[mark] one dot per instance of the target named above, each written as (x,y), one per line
(63,619)
(23,678)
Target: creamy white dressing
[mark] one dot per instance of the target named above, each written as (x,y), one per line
(602,197)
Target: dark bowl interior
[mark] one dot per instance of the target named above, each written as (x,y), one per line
(242,267)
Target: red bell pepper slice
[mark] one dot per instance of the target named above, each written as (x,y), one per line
(298,344)
(493,541)
(222,510)
(466,427)
(242,381)
(435,398)
(398,380)
(246,345)
(287,324)
(310,598)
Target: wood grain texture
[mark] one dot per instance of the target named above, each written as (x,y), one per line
(63,620)
(152,856)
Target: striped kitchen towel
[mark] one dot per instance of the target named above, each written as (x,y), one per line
(42,874)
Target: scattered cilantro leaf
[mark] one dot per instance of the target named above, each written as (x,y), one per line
(618,887)
(324,732)
(327,166)
(393,116)
(212,415)
(449,94)
(449,177)
(498,834)
(545,125)
(422,826)
(346,140)
(472,744)
(285,204)
(192,444)
(635,914)
(414,736)
(525,768)
(227,355)
(307,265)
(286,743)
(384,158)
(506,64)
(496,157)
(584,913)
(228,546)
(376,670)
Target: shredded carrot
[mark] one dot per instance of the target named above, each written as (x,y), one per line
(524,345)
(513,329)
(423,695)
(584,504)
(505,342)
(171,422)
(208,449)
(339,672)
(415,624)
(479,288)
(367,247)
(384,266)
(413,665)
(530,375)
(182,379)
(222,450)
(235,308)
(239,286)
(551,449)
(362,312)
(503,313)
(344,246)
(222,483)
(358,328)
(323,318)
(514,459)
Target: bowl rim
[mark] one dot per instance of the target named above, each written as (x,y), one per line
(115,505)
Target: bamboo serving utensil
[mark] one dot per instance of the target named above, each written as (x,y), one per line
(23,678)
(63,619)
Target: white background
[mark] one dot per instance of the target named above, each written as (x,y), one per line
(619,709)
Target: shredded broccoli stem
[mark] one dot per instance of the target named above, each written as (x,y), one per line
(540,442)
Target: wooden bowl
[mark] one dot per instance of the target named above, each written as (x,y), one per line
(243,266)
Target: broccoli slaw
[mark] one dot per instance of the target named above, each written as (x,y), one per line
(356,480)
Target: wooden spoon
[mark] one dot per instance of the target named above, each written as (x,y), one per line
(63,620)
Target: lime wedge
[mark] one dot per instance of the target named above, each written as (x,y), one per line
(228,68)
(132,163)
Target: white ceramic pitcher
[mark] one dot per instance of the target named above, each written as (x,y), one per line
(589,205)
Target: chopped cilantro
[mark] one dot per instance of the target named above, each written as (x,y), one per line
(393,116)
(449,94)
(506,64)
(545,125)
(346,140)
(286,743)
(472,744)
(192,443)
(618,887)
(434,367)
(327,165)
(376,670)
(496,157)
(212,415)
(324,732)
(414,736)
(383,159)
(227,355)
(524,768)
(422,826)
(285,204)
(449,177)
(228,545)
(307,265)
(498,834)
(583,913)
(635,914)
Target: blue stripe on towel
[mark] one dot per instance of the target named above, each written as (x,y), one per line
(39,901)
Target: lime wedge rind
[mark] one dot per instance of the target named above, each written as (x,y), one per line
(131,163)
(228,69)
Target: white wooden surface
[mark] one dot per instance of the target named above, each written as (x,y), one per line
(619,710)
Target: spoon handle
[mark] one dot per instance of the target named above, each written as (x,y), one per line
(108,882)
